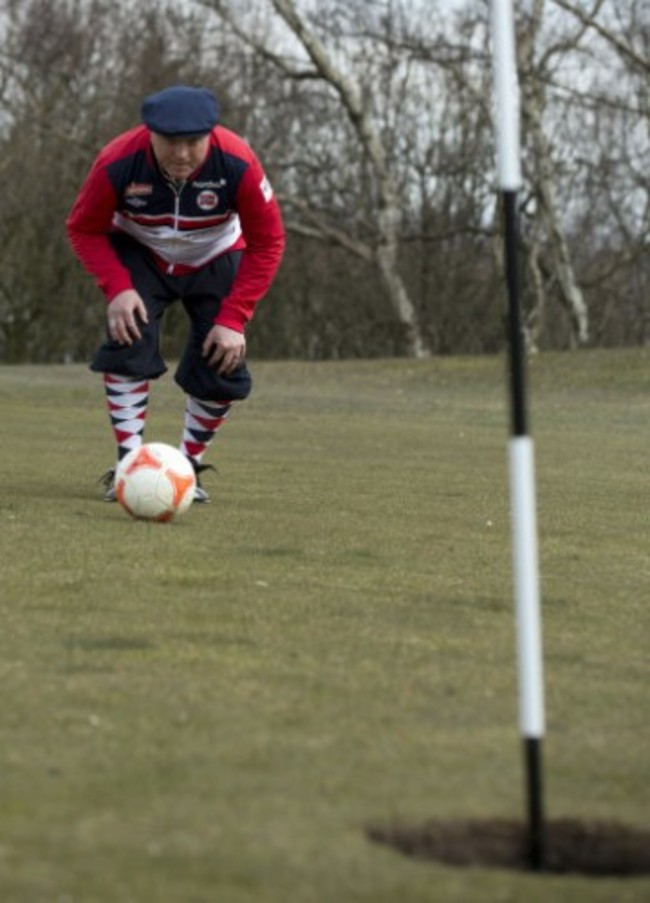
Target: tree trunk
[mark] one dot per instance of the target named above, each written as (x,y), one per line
(571,293)
(533,100)
(386,251)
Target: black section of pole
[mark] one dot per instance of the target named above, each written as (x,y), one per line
(535,794)
(517,347)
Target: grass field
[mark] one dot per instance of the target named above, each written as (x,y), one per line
(213,710)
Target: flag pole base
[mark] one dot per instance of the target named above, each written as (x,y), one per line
(536,822)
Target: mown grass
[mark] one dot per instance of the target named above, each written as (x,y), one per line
(213,710)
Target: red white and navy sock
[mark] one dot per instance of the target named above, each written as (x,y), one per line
(202,420)
(127,401)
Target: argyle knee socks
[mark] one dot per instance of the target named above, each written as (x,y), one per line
(127,401)
(202,420)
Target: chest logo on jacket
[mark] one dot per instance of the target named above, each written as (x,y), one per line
(207,200)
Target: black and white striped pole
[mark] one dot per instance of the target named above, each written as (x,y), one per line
(521,451)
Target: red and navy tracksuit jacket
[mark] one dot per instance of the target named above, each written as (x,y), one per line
(226,205)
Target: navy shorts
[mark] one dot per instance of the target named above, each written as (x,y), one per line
(200,293)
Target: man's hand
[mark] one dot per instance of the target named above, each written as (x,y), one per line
(224,349)
(124,311)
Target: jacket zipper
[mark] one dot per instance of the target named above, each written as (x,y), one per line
(177,210)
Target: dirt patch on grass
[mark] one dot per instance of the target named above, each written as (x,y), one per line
(572,845)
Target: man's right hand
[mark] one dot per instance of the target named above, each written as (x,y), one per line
(124,311)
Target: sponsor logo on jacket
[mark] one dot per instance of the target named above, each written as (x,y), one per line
(265,188)
(217,183)
(137,189)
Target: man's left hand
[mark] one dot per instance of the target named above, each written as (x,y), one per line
(224,349)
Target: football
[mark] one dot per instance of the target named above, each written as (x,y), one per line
(155,482)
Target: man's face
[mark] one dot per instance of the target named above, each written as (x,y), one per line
(178,157)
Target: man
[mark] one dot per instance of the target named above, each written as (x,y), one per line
(177,208)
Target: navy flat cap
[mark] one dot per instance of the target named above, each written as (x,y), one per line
(180,110)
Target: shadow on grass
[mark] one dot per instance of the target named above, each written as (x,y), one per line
(572,845)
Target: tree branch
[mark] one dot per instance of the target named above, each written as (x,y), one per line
(260,47)
(322,230)
(590,22)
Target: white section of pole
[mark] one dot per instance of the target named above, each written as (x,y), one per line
(506,89)
(526,587)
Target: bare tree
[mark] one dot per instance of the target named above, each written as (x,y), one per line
(532,63)
(600,122)
(374,122)
(381,246)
